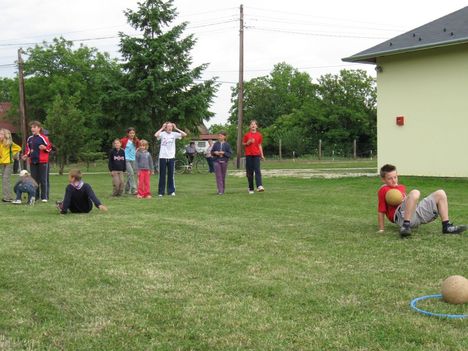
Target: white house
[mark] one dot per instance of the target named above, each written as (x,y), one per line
(422,97)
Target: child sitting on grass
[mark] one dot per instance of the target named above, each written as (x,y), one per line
(26,184)
(412,212)
(79,196)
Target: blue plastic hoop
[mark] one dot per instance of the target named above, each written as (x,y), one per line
(432,314)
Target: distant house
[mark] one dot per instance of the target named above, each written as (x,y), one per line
(201,141)
(4,107)
(422,97)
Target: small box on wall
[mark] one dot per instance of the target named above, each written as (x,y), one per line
(400,120)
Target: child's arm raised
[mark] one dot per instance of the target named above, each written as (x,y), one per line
(179,130)
(158,133)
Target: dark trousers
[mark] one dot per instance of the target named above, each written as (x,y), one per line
(252,166)
(190,158)
(210,164)
(40,172)
(166,165)
(74,208)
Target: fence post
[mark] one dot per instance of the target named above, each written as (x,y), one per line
(320,149)
(354,148)
(280,151)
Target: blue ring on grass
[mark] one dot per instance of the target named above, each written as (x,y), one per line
(432,314)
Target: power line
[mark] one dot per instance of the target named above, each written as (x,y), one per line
(321,17)
(216,81)
(46,42)
(5,45)
(212,24)
(328,35)
(64,33)
(218,30)
(210,11)
(208,20)
(314,23)
(269,69)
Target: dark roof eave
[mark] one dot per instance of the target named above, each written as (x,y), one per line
(372,58)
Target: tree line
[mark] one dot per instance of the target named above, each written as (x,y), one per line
(297,112)
(85,98)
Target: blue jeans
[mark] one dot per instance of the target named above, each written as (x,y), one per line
(166,165)
(21,188)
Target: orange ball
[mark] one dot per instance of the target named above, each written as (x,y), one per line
(394,197)
(455,289)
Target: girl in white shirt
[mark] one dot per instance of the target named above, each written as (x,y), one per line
(168,134)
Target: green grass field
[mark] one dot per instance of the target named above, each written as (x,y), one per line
(299,267)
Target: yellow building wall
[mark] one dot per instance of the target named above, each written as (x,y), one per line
(430,89)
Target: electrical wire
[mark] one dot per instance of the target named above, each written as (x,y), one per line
(321,17)
(212,24)
(314,23)
(209,11)
(269,69)
(315,34)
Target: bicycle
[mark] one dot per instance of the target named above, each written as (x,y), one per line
(199,165)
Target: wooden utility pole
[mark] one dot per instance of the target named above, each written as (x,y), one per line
(240,93)
(22,100)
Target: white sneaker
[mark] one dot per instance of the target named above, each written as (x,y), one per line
(160,195)
(16,202)
(260,188)
(32,201)
(172,194)
(44,200)
(251,192)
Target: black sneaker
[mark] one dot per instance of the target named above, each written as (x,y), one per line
(454,229)
(405,231)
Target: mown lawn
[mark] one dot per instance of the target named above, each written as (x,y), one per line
(299,267)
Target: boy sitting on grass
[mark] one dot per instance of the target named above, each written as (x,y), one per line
(79,196)
(412,212)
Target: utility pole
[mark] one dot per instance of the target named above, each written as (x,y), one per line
(240,93)
(22,99)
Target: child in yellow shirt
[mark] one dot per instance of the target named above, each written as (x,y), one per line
(8,150)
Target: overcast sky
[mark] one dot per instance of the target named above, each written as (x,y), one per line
(313,36)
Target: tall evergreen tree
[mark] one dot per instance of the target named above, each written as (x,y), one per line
(159,78)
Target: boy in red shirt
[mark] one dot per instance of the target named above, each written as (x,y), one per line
(412,212)
(253,154)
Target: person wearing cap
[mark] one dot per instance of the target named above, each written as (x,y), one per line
(26,184)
